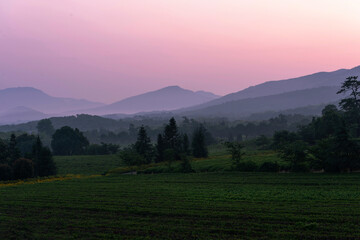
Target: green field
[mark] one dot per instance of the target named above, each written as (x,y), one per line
(218,161)
(86,164)
(213,203)
(185,206)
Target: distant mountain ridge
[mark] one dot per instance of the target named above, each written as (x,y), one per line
(278,102)
(37,100)
(316,80)
(19,115)
(168,98)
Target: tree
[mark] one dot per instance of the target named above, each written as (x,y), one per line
(185,164)
(131,157)
(45,126)
(351,104)
(198,143)
(337,153)
(186,145)
(160,148)
(236,151)
(68,141)
(14,152)
(24,143)
(171,136)
(262,142)
(282,138)
(23,168)
(42,158)
(143,145)
(297,154)
(169,156)
(4,152)
(5,172)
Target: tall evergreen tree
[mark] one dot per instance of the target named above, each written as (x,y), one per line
(160,148)
(198,143)
(186,145)
(351,104)
(4,152)
(172,139)
(171,135)
(143,145)
(43,160)
(14,152)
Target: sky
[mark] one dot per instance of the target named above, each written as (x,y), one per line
(106,50)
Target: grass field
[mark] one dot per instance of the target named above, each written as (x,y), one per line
(86,164)
(218,161)
(185,206)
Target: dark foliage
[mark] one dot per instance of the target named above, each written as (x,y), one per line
(45,127)
(5,172)
(42,158)
(23,168)
(199,143)
(236,151)
(68,141)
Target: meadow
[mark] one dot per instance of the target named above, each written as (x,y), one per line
(86,165)
(185,206)
(100,202)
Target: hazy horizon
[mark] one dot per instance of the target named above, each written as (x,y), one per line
(107,51)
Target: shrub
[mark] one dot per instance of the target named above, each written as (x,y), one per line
(185,164)
(23,168)
(5,172)
(131,158)
(269,167)
(247,166)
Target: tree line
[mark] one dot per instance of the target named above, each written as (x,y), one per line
(329,142)
(25,157)
(171,145)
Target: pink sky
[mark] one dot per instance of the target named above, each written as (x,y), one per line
(105,50)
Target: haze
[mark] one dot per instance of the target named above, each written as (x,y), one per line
(109,50)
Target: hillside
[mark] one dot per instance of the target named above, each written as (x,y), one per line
(317,80)
(168,98)
(279,102)
(39,101)
(20,115)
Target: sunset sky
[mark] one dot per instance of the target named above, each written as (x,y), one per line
(105,50)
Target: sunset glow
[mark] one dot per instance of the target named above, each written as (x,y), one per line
(111,49)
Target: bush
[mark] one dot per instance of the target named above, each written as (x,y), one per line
(248,166)
(5,172)
(301,167)
(269,167)
(23,168)
(185,164)
(131,158)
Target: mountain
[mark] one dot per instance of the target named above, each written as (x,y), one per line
(37,100)
(20,115)
(278,102)
(316,80)
(168,98)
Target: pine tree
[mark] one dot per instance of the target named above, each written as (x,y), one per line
(14,152)
(172,138)
(171,135)
(160,148)
(351,104)
(143,145)
(43,160)
(186,145)
(198,143)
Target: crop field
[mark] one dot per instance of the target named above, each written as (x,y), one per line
(218,162)
(228,205)
(86,164)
